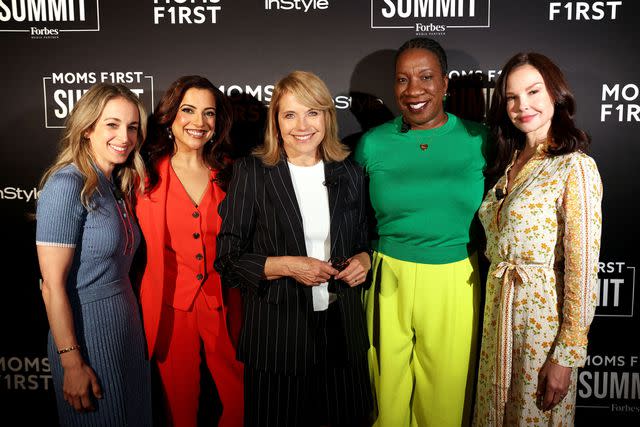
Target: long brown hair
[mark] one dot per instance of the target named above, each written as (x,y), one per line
(76,149)
(217,151)
(567,138)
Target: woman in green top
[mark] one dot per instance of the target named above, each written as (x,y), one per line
(426,184)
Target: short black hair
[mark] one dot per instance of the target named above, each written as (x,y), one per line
(426,44)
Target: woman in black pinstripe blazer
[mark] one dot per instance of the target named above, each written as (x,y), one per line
(290,208)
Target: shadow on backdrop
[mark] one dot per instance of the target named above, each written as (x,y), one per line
(371,92)
(249,120)
(469,96)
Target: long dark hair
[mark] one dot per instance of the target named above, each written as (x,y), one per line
(217,151)
(567,138)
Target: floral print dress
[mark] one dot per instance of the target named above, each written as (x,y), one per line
(543,241)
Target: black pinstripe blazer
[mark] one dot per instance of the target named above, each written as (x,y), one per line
(261,218)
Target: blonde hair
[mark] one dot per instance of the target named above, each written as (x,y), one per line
(310,91)
(75,148)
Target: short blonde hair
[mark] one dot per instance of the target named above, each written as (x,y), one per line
(310,91)
(75,148)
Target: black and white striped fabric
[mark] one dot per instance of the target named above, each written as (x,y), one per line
(330,394)
(261,218)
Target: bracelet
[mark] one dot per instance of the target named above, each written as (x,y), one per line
(68,349)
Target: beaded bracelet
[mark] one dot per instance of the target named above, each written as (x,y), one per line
(68,349)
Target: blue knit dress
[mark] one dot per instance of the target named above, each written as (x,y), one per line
(105,311)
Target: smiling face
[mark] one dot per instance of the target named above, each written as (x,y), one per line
(420,86)
(302,130)
(114,135)
(529,105)
(195,121)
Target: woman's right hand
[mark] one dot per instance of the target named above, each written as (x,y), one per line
(310,271)
(79,384)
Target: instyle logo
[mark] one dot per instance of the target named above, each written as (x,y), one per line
(296,5)
(430,16)
(63,89)
(584,10)
(616,289)
(17,193)
(620,103)
(185,12)
(49,18)
(263,94)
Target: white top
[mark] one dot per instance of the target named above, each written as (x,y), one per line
(313,200)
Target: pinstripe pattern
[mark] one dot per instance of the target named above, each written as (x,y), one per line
(334,395)
(260,218)
(282,338)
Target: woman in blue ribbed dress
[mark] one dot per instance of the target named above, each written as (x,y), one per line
(86,236)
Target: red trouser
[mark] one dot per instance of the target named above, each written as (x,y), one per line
(178,359)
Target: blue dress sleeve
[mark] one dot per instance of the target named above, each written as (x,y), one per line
(60,213)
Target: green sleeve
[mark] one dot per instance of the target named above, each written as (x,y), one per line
(360,154)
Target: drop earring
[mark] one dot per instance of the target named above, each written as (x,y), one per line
(169,133)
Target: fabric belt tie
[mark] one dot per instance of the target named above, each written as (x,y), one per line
(510,273)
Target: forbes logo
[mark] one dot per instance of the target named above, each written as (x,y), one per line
(44,32)
(443,14)
(430,28)
(30,16)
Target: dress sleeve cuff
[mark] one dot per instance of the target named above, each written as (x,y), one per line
(569,356)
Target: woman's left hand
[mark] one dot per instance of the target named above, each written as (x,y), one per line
(553,384)
(356,272)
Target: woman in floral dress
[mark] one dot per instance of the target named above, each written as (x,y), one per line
(542,220)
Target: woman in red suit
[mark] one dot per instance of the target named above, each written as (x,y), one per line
(182,303)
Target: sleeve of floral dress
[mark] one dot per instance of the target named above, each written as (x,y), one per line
(581,209)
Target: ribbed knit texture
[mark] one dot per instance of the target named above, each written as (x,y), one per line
(105,312)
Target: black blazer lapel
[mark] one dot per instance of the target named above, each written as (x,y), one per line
(334,174)
(283,197)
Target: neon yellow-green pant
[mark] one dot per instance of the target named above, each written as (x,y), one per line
(422,321)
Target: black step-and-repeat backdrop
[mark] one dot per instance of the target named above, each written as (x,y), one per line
(53,50)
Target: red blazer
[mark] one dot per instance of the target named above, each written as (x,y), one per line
(151,213)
